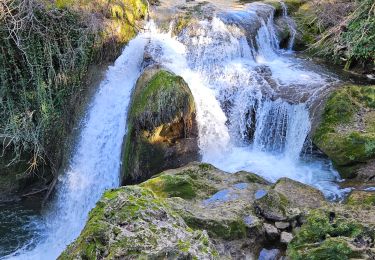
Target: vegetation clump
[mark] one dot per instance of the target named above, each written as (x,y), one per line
(325,236)
(340,30)
(46,50)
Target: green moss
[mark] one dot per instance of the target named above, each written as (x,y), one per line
(324,238)
(307,24)
(172,186)
(349,146)
(229,229)
(332,248)
(164,96)
(253,178)
(363,198)
(184,246)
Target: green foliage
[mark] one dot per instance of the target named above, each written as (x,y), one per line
(323,238)
(359,37)
(349,40)
(45,51)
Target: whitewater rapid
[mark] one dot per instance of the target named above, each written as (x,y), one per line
(245,119)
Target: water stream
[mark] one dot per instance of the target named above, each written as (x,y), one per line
(253,110)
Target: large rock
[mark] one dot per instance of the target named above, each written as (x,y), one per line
(200,212)
(132,223)
(346,132)
(215,201)
(299,194)
(162,131)
(194,212)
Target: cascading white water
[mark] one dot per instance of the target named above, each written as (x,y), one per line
(242,88)
(95,164)
(291,26)
(252,114)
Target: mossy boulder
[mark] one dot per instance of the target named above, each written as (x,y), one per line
(274,206)
(131,222)
(346,132)
(210,199)
(327,235)
(162,131)
(361,198)
(200,212)
(178,214)
(299,194)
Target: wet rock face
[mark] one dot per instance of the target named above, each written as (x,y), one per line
(346,132)
(162,132)
(198,211)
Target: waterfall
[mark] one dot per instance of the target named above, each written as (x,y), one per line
(95,164)
(291,25)
(252,114)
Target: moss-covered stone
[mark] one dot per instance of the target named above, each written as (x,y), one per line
(346,131)
(162,130)
(361,198)
(326,236)
(172,215)
(276,207)
(133,222)
(299,194)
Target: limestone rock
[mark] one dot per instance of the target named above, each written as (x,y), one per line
(271,231)
(300,194)
(132,222)
(346,132)
(162,131)
(282,225)
(275,206)
(285,237)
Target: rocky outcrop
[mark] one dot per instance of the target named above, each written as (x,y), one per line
(346,132)
(132,222)
(200,212)
(162,131)
(334,233)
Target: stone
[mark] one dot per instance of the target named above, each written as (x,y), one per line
(300,194)
(282,225)
(286,237)
(131,222)
(162,130)
(346,131)
(269,254)
(163,214)
(271,231)
(361,198)
(275,206)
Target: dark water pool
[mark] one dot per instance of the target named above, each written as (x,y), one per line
(18,225)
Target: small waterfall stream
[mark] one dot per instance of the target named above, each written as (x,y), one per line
(252,110)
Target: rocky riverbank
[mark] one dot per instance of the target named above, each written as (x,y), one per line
(200,212)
